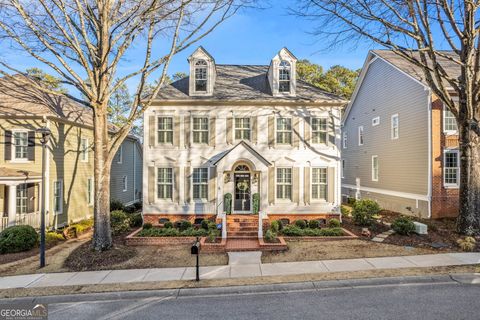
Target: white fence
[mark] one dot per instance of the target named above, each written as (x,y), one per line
(3,223)
(31,219)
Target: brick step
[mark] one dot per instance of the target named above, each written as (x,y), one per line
(242,219)
(251,229)
(242,234)
(242,225)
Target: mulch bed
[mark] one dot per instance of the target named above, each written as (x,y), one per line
(375,228)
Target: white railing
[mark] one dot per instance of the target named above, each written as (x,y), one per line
(261,215)
(3,223)
(30,219)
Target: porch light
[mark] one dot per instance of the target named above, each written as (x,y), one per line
(255,178)
(227,177)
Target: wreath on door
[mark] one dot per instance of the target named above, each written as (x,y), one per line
(242,186)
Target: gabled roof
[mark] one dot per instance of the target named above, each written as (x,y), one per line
(246,83)
(248,147)
(201,50)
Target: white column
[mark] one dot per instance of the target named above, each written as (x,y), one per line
(12,204)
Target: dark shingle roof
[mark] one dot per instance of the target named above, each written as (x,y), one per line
(245,82)
(452,69)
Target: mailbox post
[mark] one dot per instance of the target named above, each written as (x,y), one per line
(196,250)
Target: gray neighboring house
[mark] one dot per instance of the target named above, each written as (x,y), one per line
(126,175)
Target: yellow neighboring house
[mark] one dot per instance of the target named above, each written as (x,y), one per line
(69,170)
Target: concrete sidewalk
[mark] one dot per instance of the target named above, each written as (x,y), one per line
(236,270)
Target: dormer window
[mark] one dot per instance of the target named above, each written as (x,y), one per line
(201,76)
(284,76)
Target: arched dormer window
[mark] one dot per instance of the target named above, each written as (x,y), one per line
(284,70)
(201,76)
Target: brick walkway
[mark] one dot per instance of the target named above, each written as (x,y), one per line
(242,245)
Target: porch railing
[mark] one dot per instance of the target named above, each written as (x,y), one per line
(31,219)
(3,223)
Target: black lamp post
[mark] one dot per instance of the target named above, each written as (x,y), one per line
(46,133)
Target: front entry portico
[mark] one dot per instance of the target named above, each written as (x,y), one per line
(243,190)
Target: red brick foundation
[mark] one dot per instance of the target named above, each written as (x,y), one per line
(154,218)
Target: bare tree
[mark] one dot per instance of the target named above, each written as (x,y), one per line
(413,29)
(86,41)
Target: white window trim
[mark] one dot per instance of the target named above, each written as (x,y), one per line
(13,153)
(343,168)
(451,185)
(362,140)
(344,141)
(375,121)
(392,127)
(447,132)
(201,200)
(373,168)
(91,192)
(61,197)
(235,129)
(120,155)
(124,185)
(281,200)
(311,183)
(156,185)
(84,152)
(157,130)
(206,66)
(326,130)
(192,128)
(19,187)
(291,131)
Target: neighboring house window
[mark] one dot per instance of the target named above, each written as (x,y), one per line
(200,130)
(20,144)
(451,168)
(375,121)
(284,183)
(58,196)
(344,141)
(242,128)
(374,168)
(284,77)
(449,122)
(200,183)
(360,136)
(319,183)
(284,130)
(164,183)
(395,125)
(165,130)
(124,183)
(201,76)
(90,191)
(120,154)
(84,149)
(343,168)
(22,198)
(319,130)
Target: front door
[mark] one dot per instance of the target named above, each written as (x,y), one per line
(242,192)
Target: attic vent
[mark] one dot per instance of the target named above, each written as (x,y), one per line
(375,121)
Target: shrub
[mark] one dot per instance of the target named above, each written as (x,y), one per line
(136,220)
(183,225)
(275,226)
(313,224)
(116,205)
(301,224)
(18,238)
(403,226)
(81,226)
(147,225)
(331,232)
(52,238)
(191,232)
(204,224)
(159,232)
(346,211)
(212,225)
(311,232)
(270,236)
(129,209)
(293,231)
(212,235)
(168,225)
(280,225)
(119,222)
(351,201)
(333,223)
(363,210)
(467,244)
(256,202)
(138,205)
(227,203)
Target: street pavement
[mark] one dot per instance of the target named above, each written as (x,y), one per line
(426,298)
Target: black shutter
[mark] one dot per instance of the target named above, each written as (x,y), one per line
(30,198)
(31,146)
(8,145)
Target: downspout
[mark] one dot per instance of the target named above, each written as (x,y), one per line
(134,173)
(47,180)
(429,195)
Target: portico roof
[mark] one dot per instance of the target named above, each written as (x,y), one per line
(15,174)
(246,146)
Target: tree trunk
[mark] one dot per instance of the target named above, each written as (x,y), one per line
(102,235)
(468,221)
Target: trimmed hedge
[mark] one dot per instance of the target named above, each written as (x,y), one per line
(172,232)
(403,226)
(17,239)
(295,231)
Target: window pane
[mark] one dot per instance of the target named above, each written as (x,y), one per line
(450,122)
(200,183)
(21,144)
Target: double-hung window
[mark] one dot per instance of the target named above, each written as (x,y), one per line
(284,130)
(201,76)
(164,183)
(242,128)
(20,140)
(284,77)
(84,149)
(165,130)
(344,141)
(449,122)
(200,183)
(319,183)
(395,125)
(58,196)
(200,130)
(124,183)
(360,136)
(90,191)
(120,154)
(284,183)
(319,130)
(374,168)
(22,198)
(451,168)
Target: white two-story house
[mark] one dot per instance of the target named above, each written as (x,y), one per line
(242,139)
